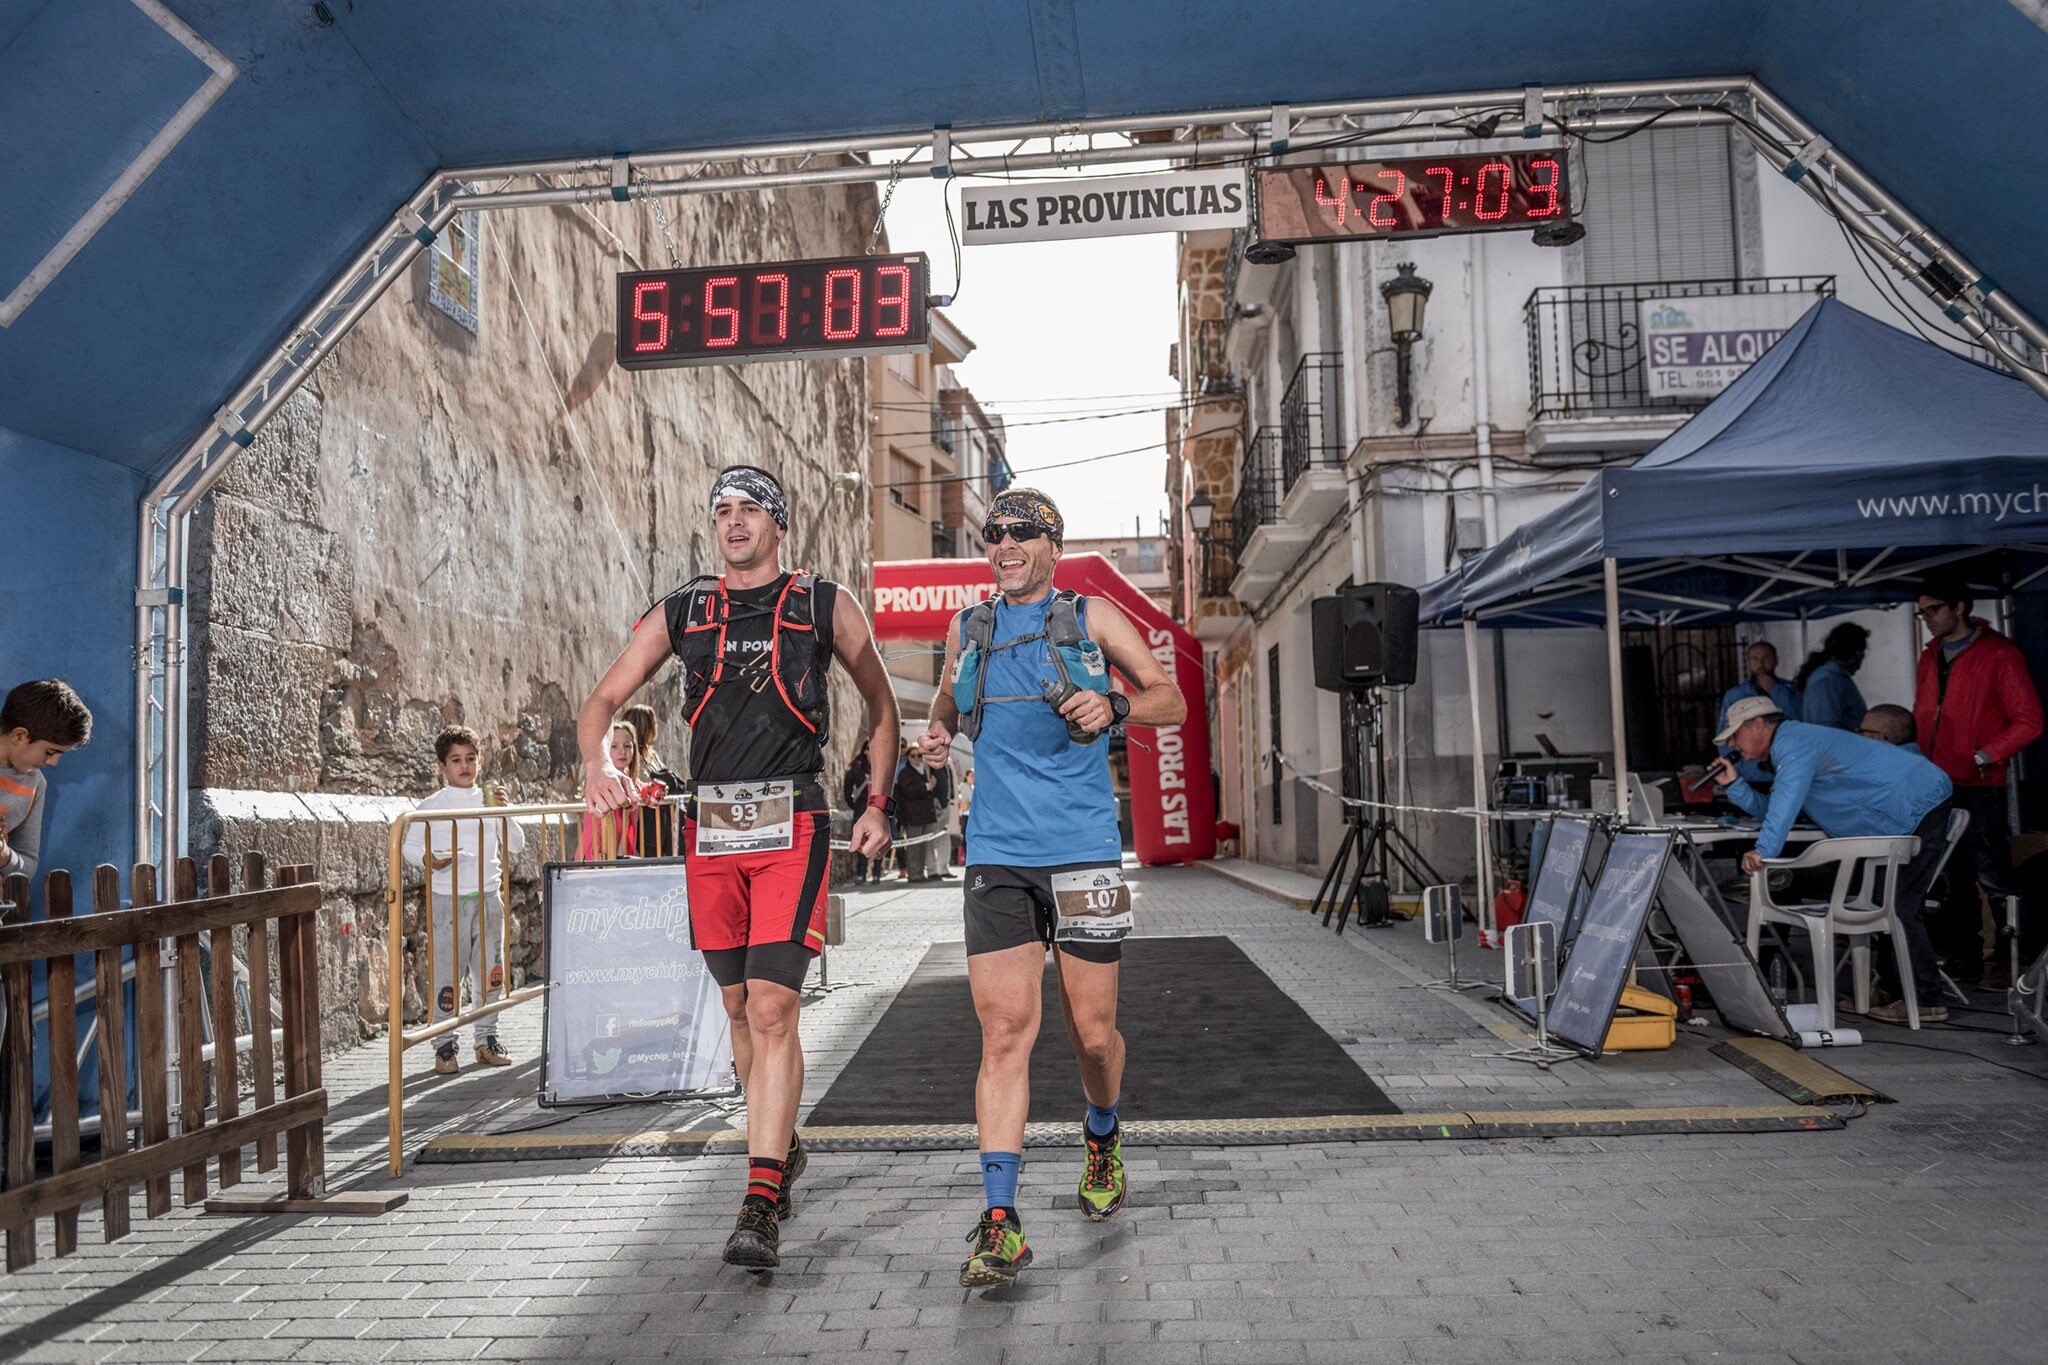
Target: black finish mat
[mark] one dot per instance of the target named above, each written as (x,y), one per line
(1207,1035)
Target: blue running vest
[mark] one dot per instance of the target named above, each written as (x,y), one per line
(1040,799)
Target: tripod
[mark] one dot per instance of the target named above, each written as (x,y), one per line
(1371,838)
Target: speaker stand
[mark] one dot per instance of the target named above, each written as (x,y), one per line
(1371,837)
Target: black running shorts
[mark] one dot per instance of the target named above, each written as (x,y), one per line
(1008,907)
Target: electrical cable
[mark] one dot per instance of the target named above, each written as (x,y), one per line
(581,1112)
(946,198)
(1118,415)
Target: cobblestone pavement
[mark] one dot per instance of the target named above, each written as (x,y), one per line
(1919,1233)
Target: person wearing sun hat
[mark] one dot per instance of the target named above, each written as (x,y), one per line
(1852,787)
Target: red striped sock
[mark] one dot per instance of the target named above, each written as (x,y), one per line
(764,1178)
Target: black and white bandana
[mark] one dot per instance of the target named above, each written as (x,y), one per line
(755,485)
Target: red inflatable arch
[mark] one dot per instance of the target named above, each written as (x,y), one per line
(1173,807)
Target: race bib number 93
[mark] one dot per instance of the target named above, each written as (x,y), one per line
(744,817)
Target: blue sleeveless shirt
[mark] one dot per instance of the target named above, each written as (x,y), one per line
(1040,800)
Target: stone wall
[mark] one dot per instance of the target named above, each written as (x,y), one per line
(452,528)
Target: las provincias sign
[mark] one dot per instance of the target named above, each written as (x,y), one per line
(1109,206)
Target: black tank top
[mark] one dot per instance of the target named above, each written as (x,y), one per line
(746,732)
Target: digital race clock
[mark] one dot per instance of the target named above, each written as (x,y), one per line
(858,305)
(1418,197)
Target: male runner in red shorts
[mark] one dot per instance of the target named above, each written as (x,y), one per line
(756,648)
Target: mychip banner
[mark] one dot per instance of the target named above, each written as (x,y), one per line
(631,1010)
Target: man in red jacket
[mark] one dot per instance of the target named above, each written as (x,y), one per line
(1975,707)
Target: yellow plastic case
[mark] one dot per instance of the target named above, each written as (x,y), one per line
(1643,1022)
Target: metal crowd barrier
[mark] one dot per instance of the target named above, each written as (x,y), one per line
(560,830)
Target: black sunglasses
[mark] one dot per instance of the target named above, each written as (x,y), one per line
(1019,531)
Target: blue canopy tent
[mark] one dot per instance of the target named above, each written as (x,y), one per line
(1849,461)
(1851,457)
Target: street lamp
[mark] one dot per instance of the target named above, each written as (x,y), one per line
(1201,511)
(1407,297)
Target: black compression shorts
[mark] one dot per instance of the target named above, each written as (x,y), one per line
(785,964)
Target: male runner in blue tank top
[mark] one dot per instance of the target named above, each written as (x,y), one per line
(1045,848)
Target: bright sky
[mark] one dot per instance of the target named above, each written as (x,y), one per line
(1063,329)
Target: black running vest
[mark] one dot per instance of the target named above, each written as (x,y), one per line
(755,670)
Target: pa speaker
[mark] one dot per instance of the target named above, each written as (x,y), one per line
(1365,636)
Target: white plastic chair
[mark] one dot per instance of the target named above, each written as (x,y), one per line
(1861,903)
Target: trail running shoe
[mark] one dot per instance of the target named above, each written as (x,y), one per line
(754,1243)
(792,1167)
(999,1252)
(1102,1175)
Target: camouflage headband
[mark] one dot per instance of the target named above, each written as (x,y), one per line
(755,485)
(1026,505)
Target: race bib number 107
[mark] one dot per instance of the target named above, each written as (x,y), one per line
(744,817)
(1093,905)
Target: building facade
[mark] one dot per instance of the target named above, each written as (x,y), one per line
(1320,464)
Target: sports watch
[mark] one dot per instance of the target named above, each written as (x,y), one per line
(884,804)
(1119,708)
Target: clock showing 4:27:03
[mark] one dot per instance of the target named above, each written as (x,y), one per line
(1413,197)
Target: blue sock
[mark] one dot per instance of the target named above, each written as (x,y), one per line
(1102,1119)
(999,1178)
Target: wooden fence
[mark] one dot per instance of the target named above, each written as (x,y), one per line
(297,1117)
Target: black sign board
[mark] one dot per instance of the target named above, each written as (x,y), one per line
(1590,985)
(631,1011)
(1556,889)
(715,315)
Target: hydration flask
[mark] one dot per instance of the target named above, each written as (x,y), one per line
(1056,691)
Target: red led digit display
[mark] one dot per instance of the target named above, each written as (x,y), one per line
(1419,197)
(721,321)
(892,301)
(861,305)
(649,331)
(771,300)
(842,305)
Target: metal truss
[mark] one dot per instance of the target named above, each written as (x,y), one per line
(1974,304)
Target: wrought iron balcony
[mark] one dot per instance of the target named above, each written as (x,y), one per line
(1311,417)
(945,428)
(1215,561)
(1211,373)
(1258,488)
(1586,344)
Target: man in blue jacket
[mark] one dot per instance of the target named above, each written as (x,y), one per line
(1852,787)
(1762,680)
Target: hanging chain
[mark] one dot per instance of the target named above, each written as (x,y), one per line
(882,213)
(675,257)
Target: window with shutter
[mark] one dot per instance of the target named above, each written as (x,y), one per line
(1660,206)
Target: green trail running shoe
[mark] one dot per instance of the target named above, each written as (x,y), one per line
(999,1252)
(1102,1177)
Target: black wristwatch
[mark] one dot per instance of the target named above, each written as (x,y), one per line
(884,804)
(1119,708)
